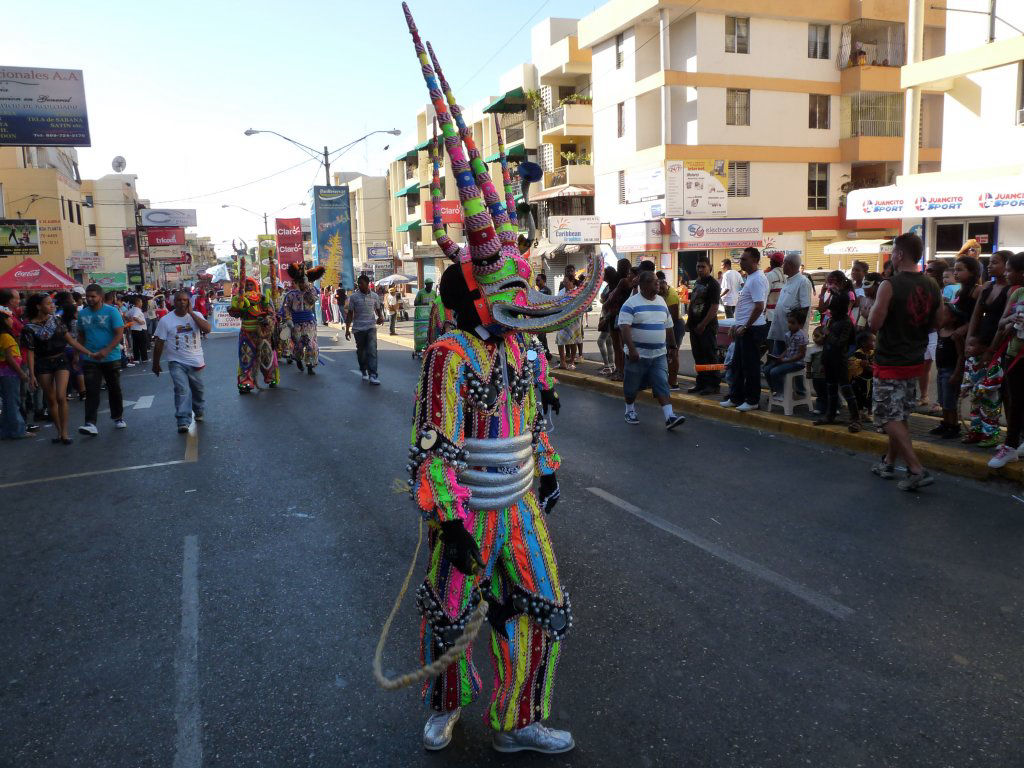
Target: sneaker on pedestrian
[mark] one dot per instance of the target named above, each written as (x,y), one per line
(88,429)
(198,416)
(120,424)
(727,403)
(182,429)
(884,469)
(366,376)
(744,407)
(674,421)
(694,390)
(374,380)
(673,387)
(1003,456)
(632,418)
(914,482)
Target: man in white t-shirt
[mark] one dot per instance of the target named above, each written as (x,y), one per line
(180,335)
(731,282)
(748,334)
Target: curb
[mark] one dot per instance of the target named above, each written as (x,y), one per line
(938,457)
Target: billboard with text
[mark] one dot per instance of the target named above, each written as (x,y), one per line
(42,108)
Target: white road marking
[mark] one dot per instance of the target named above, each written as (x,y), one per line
(328,359)
(144,401)
(188,743)
(816,599)
(356,372)
(96,472)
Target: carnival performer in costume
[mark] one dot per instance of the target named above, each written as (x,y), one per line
(255,339)
(477,446)
(299,314)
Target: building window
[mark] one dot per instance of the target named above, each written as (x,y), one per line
(817,186)
(737,106)
(622,187)
(620,111)
(817,41)
(737,34)
(92,230)
(63,213)
(739,179)
(78,213)
(71,211)
(620,55)
(819,106)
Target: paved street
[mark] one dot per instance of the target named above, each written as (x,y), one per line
(740,599)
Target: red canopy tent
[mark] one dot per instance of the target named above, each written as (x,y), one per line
(59,272)
(31,275)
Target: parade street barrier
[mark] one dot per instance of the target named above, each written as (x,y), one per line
(222,321)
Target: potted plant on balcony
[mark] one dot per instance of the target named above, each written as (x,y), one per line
(534,101)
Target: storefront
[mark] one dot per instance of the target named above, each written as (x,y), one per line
(949,212)
(845,252)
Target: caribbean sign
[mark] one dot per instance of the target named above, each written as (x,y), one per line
(42,108)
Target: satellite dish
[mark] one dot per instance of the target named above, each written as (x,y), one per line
(118,164)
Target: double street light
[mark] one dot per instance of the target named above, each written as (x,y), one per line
(325,156)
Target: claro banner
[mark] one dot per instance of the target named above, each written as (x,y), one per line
(289,243)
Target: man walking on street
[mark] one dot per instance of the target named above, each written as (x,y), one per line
(647,333)
(363,313)
(904,313)
(181,333)
(100,330)
(702,322)
(748,333)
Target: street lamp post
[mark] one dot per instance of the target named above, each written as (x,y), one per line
(325,156)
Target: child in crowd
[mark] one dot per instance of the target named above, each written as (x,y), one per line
(834,355)
(815,372)
(983,384)
(792,358)
(861,366)
(945,367)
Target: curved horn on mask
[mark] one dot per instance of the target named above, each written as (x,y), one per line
(448,246)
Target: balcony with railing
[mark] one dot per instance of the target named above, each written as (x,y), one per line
(872,43)
(871,127)
(569,174)
(567,120)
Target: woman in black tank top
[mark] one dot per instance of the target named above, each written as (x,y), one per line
(989,307)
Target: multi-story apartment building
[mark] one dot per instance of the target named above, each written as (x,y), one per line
(115,200)
(370,212)
(979,79)
(788,104)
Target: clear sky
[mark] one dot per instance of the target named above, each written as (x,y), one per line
(171,86)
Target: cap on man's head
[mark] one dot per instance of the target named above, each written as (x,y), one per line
(429,281)
(776,258)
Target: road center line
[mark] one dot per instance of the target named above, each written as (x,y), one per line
(94,472)
(188,743)
(144,401)
(325,357)
(816,599)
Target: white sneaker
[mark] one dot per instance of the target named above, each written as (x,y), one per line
(120,424)
(374,379)
(744,407)
(88,429)
(1003,456)
(366,376)
(727,403)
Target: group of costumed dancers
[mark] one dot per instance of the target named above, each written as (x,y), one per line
(275,326)
(478,446)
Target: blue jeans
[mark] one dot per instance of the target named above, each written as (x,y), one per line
(188,391)
(646,372)
(11,422)
(776,374)
(366,350)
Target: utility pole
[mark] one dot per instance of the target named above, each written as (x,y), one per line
(327,167)
(266,229)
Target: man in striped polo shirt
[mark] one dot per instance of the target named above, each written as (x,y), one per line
(648,341)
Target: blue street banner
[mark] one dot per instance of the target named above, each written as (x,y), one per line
(42,108)
(332,235)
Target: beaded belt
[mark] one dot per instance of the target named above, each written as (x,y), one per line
(501,470)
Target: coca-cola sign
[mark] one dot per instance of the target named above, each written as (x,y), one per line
(27,274)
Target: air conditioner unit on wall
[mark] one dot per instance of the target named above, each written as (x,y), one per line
(1020,117)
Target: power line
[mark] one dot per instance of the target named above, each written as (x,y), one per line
(240,186)
(504,45)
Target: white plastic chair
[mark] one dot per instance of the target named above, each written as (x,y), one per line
(789,399)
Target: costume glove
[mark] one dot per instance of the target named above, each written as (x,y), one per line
(549,492)
(460,547)
(549,399)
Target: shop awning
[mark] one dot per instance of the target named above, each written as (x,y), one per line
(406,155)
(996,196)
(511,101)
(856,247)
(518,152)
(414,224)
(414,187)
(565,190)
(425,144)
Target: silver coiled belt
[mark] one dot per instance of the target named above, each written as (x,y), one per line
(512,457)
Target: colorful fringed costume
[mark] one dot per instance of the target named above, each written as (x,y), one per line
(298,312)
(983,384)
(478,444)
(255,339)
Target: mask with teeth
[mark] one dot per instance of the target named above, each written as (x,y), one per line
(496,275)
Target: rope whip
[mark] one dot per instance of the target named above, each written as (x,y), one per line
(439,665)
